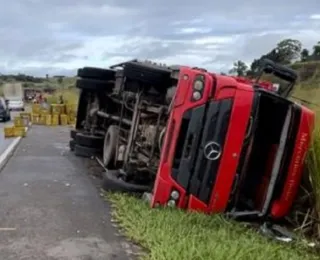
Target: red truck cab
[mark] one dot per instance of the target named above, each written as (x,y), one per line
(231,147)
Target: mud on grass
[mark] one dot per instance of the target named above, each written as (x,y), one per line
(170,234)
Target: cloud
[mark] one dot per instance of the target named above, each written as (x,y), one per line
(56,36)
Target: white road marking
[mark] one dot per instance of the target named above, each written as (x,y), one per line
(8,152)
(4,156)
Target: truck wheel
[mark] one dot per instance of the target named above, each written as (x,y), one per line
(147,73)
(110,146)
(96,73)
(94,84)
(72,144)
(93,141)
(84,151)
(112,181)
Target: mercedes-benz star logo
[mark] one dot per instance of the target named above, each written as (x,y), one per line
(212,151)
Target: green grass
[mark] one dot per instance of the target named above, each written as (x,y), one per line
(169,234)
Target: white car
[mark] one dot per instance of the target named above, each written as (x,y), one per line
(16,104)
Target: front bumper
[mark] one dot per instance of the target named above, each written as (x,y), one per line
(16,108)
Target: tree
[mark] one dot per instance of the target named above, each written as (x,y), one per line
(239,68)
(316,51)
(288,51)
(60,80)
(304,55)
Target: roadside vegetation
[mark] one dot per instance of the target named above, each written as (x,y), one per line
(170,234)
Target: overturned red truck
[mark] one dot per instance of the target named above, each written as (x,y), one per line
(195,139)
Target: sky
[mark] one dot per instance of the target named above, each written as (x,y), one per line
(59,36)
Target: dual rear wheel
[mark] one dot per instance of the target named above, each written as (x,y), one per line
(89,146)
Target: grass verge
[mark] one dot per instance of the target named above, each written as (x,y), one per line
(169,234)
(313,166)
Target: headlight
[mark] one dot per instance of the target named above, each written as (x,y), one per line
(196,95)
(198,85)
(171,203)
(174,195)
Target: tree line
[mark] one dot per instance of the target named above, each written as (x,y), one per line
(286,52)
(20,77)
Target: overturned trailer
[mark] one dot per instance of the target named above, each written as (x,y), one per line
(122,115)
(196,140)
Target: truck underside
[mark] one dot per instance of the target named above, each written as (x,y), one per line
(129,114)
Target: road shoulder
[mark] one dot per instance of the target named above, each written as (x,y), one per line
(50,207)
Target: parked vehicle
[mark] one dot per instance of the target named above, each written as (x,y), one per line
(197,140)
(14,94)
(4,110)
(15,104)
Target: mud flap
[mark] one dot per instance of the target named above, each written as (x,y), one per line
(113,181)
(93,141)
(84,151)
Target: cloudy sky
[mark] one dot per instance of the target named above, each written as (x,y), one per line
(58,36)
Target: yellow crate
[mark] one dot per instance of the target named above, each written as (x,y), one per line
(20,131)
(58,109)
(42,119)
(55,120)
(71,120)
(18,121)
(25,114)
(26,121)
(36,108)
(48,119)
(62,108)
(44,111)
(71,109)
(63,119)
(35,118)
(8,131)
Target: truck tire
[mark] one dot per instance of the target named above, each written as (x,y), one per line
(93,141)
(83,151)
(147,74)
(6,118)
(95,84)
(72,144)
(96,73)
(113,182)
(110,146)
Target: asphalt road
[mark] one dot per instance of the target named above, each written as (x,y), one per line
(50,207)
